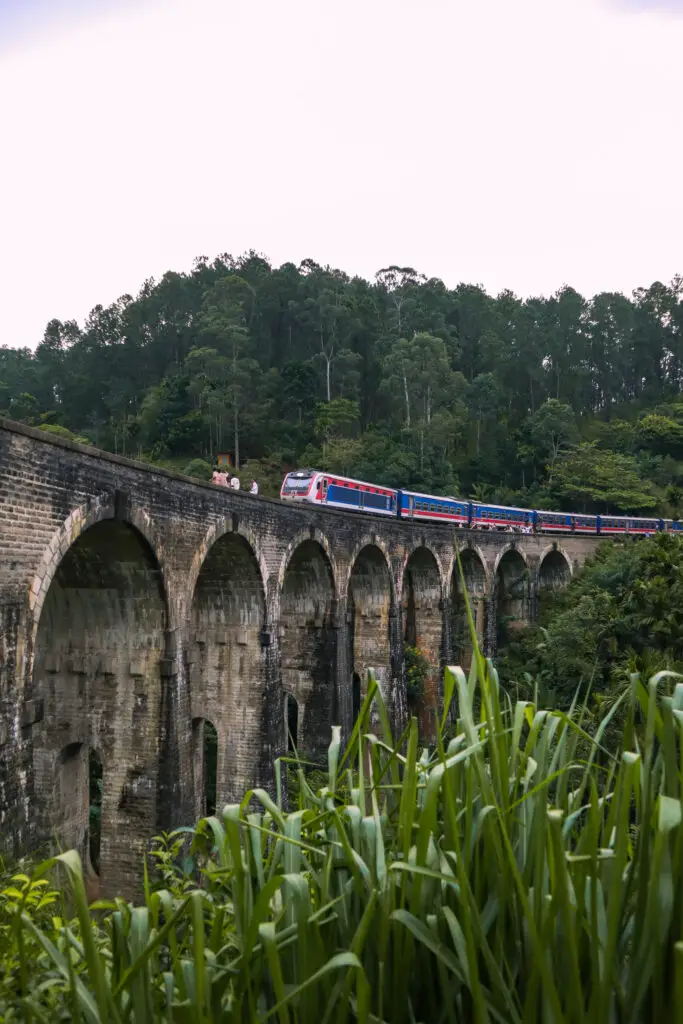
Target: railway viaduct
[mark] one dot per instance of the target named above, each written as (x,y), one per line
(138,608)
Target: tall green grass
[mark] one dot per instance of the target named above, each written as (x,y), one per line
(517,872)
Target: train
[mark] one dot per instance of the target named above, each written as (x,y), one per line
(334,491)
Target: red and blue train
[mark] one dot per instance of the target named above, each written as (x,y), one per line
(319,488)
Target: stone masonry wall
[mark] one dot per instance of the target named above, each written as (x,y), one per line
(136,604)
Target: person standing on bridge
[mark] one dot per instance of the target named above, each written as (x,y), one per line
(235,482)
(254,487)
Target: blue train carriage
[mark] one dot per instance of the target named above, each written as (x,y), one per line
(566,522)
(629,524)
(412,505)
(500,517)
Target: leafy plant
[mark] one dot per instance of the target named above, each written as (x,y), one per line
(516,871)
(418,669)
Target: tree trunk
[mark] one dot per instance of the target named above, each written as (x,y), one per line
(407,397)
(237,436)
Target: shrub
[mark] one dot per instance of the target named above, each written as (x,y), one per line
(200,469)
(418,670)
(515,872)
(59,431)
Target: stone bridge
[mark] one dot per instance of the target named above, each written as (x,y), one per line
(141,610)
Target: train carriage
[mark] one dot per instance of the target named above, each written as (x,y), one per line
(412,505)
(500,516)
(556,522)
(336,491)
(566,522)
(628,524)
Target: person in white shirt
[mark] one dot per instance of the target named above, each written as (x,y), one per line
(235,482)
(254,487)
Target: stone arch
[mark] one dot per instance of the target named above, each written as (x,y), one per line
(421,599)
(554,570)
(308,642)
(98,657)
(512,593)
(371,541)
(400,584)
(370,605)
(226,659)
(475,588)
(303,537)
(509,548)
(227,525)
(78,521)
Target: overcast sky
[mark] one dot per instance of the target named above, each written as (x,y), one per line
(514,143)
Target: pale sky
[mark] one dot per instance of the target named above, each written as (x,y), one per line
(518,144)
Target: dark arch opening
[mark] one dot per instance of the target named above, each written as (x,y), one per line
(474,590)
(554,572)
(99,646)
(70,799)
(95,788)
(512,596)
(308,645)
(205,765)
(227,660)
(292,710)
(355,698)
(210,766)
(369,605)
(423,630)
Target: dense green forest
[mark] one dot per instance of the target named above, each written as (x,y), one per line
(619,615)
(563,401)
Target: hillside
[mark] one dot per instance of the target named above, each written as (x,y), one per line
(563,401)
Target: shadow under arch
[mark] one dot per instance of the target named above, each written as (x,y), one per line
(100,640)
(422,605)
(78,522)
(476,590)
(370,607)
(512,597)
(307,602)
(226,661)
(554,569)
(215,533)
(314,536)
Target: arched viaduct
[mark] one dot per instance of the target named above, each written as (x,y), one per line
(139,609)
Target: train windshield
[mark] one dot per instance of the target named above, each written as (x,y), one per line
(299,482)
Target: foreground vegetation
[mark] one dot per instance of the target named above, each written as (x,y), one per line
(518,872)
(561,401)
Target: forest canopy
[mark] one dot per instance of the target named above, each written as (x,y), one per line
(557,401)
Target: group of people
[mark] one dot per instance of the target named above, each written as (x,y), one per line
(225,479)
(518,528)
